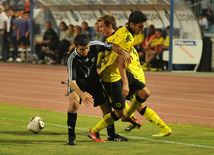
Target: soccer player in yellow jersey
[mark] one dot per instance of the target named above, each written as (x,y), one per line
(135,79)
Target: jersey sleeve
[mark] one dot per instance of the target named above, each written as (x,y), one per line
(100,46)
(71,69)
(124,40)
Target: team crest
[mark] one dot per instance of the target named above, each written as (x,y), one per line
(118,105)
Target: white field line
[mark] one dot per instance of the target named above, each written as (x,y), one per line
(133,137)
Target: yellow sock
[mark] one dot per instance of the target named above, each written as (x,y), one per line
(133,107)
(151,116)
(127,107)
(106,121)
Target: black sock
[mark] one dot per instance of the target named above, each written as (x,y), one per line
(72,117)
(111,130)
(143,111)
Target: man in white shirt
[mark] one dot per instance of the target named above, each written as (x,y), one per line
(203,22)
(3,32)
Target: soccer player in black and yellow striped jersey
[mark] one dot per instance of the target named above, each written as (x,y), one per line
(111,77)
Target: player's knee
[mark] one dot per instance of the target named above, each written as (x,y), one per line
(119,113)
(105,108)
(144,93)
(74,104)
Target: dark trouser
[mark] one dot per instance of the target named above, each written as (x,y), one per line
(14,42)
(62,48)
(5,46)
(40,53)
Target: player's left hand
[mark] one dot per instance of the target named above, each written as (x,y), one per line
(87,99)
(126,57)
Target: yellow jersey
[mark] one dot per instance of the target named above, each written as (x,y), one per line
(166,41)
(139,38)
(157,41)
(109,68)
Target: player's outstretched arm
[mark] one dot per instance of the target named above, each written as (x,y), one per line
(126,57)
(123,75)
(87,99)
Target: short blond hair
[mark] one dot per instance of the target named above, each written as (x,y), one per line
(108,19)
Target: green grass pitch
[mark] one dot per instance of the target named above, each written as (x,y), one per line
(16,139)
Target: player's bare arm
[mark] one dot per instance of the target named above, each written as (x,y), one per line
(122,70)
(87,99)
(125,56)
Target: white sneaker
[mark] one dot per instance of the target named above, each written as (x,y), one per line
(49,62)
(10,59)
(18,60)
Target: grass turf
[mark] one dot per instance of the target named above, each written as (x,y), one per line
(16,139)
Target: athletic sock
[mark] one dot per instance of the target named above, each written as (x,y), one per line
(151,116)
(135,104)
(111,130)
(107,120)
(127,107)
(72,117)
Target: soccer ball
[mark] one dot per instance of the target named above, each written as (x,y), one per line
(36,124)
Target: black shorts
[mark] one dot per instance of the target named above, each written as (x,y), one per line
(114,90)
(96,90)
(24,41)
(134,85)
(14,40)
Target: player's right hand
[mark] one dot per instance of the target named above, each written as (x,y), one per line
(87,99)
(125,91)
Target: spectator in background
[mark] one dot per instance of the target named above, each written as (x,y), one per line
(49,37)
(210,17)
(77,31)
(203,23)
(3,33)
(15,38)
(27,6)
(165,45)
(10,16)
(147,41)
(85,29)
(150,35)
(27,34)
(59,46)
(205,6)
(23,29)
(97,34)
(155,47)
(70,34)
